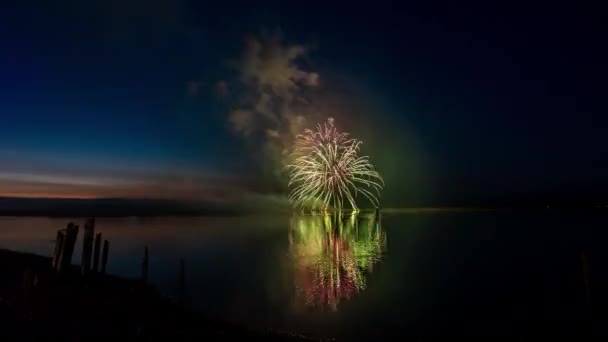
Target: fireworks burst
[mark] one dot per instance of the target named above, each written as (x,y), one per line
(327,171)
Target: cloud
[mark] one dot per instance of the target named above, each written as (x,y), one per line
(273,133)
(178,185)
(272,93)
(29,176)
(272,69)
(311,79)
(242,121)
(272,76)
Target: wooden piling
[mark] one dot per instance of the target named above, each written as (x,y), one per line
(96,253)
(58,249)
(144,266)
(104,256)
(64,248)
(73,238)
(71,235)
(87,246)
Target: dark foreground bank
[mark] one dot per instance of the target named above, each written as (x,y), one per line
(38,304)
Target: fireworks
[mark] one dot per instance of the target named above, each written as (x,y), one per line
(327,171)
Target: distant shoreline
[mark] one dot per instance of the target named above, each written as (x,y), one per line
(388,211)
(124,207)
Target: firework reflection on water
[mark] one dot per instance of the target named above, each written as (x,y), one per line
(332,255)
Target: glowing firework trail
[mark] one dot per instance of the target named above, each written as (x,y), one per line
(327,170)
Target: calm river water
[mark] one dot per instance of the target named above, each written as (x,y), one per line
(408,273)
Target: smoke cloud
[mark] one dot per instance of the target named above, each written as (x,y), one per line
(273,102)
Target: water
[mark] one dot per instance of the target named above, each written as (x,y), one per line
(410,273)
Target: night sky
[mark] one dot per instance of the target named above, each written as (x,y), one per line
(455,103)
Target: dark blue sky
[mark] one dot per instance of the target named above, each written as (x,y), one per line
(453,101)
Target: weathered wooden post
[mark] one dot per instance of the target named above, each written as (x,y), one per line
(58,249)
(71,235)
(104,256)
(87,246)
(62,251)
(144,266)
(96,253)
